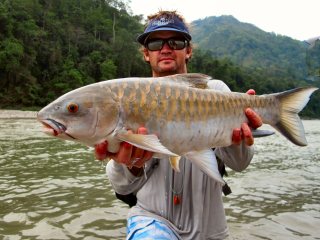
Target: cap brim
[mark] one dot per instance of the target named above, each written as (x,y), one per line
(141,38)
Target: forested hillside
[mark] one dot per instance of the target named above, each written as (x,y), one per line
(49,47)
(249,46)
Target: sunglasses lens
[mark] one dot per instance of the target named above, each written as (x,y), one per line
(157,44)
(176,44)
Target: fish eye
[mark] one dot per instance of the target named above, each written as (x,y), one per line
(73,107)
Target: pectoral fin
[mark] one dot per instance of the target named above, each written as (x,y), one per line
(174,161)
(206,161)
(147,142)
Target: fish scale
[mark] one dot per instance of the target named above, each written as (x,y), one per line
(173,107)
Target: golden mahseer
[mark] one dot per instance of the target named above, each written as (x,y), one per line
(183,115)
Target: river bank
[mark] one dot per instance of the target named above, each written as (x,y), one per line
(6,114)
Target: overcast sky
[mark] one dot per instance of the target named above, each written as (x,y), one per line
(298,19)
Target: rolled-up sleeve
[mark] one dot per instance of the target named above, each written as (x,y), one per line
(236,157)
(121,179)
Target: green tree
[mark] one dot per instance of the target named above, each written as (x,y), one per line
(108,69)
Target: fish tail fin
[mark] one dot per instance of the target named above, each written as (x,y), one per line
(291,103)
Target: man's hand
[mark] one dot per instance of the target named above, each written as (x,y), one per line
(128,155)
(244,133)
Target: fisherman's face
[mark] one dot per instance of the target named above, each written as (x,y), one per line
(167,61)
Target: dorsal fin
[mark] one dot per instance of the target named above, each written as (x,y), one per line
(196,80)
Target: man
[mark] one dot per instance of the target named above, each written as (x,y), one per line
(171,205)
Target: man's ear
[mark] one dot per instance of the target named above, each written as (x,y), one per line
(188,53)
(146,55)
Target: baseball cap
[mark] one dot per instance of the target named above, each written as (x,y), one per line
(165,24)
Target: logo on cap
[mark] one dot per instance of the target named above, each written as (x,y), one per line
(162,21)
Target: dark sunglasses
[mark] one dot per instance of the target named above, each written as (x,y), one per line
(158,43)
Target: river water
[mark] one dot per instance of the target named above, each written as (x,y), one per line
(53,189)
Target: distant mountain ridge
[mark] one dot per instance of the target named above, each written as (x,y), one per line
(249,46)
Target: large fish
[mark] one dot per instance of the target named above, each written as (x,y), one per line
(184,117)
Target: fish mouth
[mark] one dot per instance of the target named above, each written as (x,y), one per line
(54,128)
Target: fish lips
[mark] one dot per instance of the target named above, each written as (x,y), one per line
(54,128)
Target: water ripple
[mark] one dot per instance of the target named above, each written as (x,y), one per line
(53,189)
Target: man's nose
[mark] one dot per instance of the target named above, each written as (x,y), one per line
(166,48)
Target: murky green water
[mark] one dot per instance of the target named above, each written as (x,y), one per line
(53,189)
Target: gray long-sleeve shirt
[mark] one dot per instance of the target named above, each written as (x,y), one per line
(200,215)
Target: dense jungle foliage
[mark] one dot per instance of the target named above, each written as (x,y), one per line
(49,47)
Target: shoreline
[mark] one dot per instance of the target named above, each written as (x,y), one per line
(14,114)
